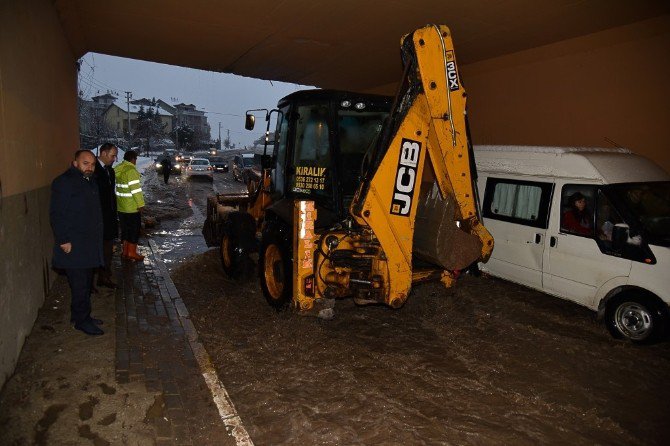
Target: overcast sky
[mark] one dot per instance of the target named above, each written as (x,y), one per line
(225,97)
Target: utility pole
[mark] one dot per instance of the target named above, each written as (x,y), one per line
(176,130)
(128,95)
(220,145)
(228,138)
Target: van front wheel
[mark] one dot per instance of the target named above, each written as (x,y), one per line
(637,318)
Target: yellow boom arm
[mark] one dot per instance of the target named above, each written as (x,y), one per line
(431,127)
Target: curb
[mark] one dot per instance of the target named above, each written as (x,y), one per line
(224,404)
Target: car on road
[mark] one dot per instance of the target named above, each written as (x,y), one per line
(199,167)
(183,158)
(158,163)
(218,163)
(240,163)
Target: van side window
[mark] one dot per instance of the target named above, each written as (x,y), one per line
(577,205)
(522,202)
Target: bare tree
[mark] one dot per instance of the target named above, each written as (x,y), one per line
(93,129)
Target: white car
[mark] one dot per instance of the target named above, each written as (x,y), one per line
(199,167)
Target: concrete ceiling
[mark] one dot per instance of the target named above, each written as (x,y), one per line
(342,44)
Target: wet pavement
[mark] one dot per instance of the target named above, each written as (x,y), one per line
(487,362)
(180,208)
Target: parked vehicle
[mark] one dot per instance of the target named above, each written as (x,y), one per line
(240,162)
(251,175)
(613,258)
(199,167)
(219,163)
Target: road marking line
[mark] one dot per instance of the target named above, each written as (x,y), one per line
(231,420)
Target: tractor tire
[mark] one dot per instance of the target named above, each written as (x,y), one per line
(237,242)
(275,269)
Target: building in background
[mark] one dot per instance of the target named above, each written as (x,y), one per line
(116,116)
(151,124)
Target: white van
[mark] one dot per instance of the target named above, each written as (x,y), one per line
(588,225)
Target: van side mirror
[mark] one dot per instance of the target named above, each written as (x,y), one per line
(249,121)
(620,235)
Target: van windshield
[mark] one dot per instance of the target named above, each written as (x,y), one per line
(649,205)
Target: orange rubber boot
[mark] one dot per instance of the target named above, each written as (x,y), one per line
(124,255)
(132,252)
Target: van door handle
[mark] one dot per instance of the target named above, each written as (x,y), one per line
(538,239)
(553,241)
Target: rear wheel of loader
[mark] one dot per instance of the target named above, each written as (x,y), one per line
(236,243)
(275,269)
(227,252)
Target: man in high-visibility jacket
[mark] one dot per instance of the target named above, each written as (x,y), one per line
(129,204)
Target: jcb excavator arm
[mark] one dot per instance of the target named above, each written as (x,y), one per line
(428,125)
(426,137)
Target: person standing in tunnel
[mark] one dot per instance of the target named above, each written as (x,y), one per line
(76,221)
(129,203)
(106,181)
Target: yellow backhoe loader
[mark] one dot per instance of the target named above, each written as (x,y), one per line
(363,195)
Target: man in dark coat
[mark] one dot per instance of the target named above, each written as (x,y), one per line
(106,181)
(166,167)
(76,220)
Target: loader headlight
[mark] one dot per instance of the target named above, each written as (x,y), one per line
(158,165)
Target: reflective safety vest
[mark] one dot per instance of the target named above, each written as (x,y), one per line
(129,195)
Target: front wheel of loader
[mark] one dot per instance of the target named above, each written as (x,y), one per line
(275,269)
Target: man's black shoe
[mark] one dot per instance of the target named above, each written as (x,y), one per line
(89,328)
(107,283)
(96,321)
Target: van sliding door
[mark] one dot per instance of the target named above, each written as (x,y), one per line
(516,214)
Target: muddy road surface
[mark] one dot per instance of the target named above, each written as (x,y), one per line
(486,362)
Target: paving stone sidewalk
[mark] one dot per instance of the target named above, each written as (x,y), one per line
(140,383)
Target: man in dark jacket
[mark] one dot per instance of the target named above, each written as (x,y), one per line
(166,167)
(105,179)
(76,220)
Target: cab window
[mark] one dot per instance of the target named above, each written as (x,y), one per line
(311,156)
(281,137)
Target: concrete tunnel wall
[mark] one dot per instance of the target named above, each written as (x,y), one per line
(579,92)
(38,137)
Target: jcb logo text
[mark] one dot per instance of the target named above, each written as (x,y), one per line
(405,179)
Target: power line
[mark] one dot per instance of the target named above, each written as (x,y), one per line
(221,113)
(96,81)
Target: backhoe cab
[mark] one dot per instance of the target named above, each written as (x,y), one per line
(362,195)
